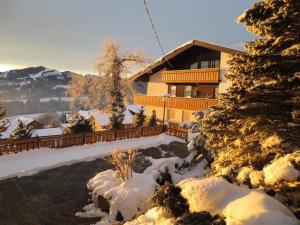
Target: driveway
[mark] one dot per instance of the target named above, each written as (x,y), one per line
(53,197)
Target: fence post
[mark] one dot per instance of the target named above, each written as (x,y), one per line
(142,131)
(83,138)
(115,133)
(186,136)
(38,142)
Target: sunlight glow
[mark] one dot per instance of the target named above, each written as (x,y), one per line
(5,67)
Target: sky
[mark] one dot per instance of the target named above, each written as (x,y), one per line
(66,34)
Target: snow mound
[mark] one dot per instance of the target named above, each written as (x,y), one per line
(126,197)
(240,206)
(155,216)
(282,169)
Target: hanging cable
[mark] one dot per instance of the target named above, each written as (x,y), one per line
(155,32)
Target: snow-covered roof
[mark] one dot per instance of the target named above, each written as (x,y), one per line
(134,108)
(102,117)
(47,132)
(181,49)
(24,120)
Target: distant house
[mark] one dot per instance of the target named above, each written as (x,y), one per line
(192,75)
(99,119)
(30,123)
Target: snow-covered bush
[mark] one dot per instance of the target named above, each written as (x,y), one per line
(279,170)
(240,206)
(169,197)
(125,198)
(155,216)
(282,169)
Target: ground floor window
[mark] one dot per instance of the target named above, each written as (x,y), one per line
(172,90)
(187,91)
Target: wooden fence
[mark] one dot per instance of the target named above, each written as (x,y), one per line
(67,140)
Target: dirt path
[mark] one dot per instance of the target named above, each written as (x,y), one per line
(52,197)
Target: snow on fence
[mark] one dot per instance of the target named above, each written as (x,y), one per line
(67,140)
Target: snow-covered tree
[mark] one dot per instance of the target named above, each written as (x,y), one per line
(3,122)
(140,117)
(113,64)
(258,118)
(153,119)
(21,131)
(78,124)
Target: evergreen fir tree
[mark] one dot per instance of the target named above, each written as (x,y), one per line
(21,131)
(258,118)
(153,120)
(140,117)
(116,104)
(3,122)
(79,124)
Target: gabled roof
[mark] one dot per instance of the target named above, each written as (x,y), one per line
(181,49)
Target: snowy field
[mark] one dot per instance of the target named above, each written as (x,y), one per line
(30,162)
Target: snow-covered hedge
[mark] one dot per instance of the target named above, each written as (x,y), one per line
(281,169)
(240,206)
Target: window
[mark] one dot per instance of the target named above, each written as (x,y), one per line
(172,91)
(215,64)
(194,65)
(187,91)
(204,64)
(171,114)
(186,116)
(210,64)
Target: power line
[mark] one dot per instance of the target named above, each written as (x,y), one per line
(155,32)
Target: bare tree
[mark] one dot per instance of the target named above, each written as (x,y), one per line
(114,64)
(3,122)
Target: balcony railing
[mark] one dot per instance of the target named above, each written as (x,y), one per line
(193,104)
(210,75)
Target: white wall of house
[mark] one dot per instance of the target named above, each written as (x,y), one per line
(224,84)
(155,85)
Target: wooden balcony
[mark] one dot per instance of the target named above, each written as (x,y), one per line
(210,75)
(193,104)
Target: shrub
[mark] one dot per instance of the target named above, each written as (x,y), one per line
(153,120)
(164,177)
(169,197)
(200,218)
(78,124)
(123,163)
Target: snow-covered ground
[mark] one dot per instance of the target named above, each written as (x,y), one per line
(30,162)
(214,195)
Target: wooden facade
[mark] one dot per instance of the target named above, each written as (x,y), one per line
(193,104)
(209,75)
